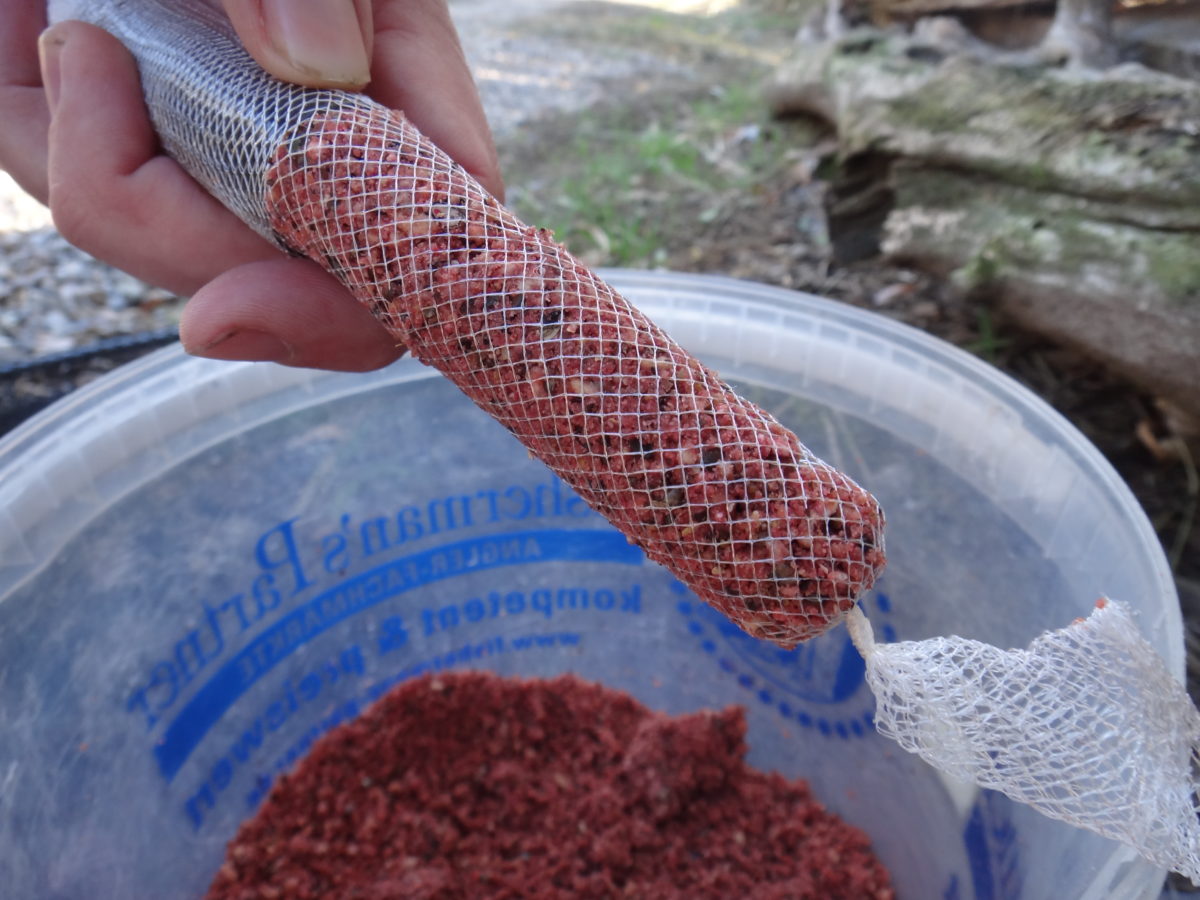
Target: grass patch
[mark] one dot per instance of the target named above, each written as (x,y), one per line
(629,184)
(633,180)
(749,30)
(989,344)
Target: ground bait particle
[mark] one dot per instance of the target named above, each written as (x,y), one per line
(469,785)
(703,480)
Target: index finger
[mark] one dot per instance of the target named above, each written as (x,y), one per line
(24,116)
(23,22)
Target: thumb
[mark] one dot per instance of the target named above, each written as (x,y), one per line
(318,43)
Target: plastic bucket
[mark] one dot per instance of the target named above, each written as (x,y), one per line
(204,565)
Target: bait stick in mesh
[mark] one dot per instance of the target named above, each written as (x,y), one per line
(705,482)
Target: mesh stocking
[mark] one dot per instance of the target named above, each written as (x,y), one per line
(706,483)
(1086,725)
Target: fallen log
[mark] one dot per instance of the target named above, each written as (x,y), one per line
(1071,198)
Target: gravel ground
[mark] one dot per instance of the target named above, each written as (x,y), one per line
(523,74)
(59,298)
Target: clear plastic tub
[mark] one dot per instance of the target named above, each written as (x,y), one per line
(203,566)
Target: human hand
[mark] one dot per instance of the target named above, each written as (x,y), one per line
(74,133)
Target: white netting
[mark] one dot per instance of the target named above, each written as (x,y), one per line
(1086,725)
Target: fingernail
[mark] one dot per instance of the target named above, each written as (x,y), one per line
(320,38)
(50,46)
(247,346)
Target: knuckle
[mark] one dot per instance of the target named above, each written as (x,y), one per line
(76,216)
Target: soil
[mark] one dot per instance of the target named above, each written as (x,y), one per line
(470,785)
